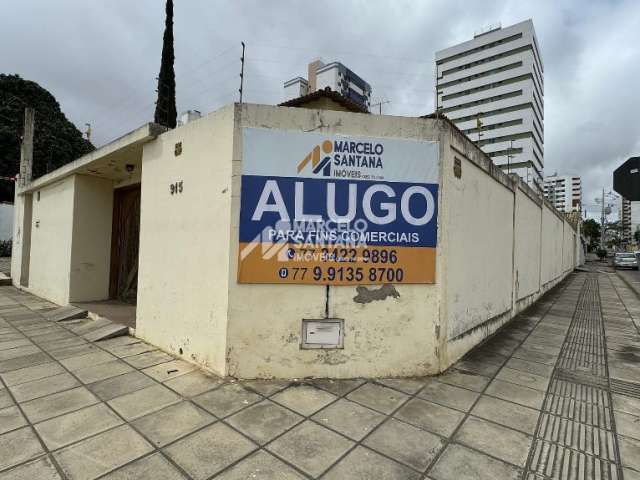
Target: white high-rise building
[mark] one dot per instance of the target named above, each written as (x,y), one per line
(333,75)
(564,192)
(492,88)
(624,217)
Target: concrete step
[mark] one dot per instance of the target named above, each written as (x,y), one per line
(89,325)
(108,331)
(95,327)
(65,313)
(5,280)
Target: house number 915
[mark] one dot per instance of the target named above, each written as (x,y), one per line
(175,188)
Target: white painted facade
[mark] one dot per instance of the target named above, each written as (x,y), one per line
(497,79)
(189,303)
(564,192)
(62,222)
(296,87)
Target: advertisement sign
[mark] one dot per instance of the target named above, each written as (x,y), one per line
(336,209)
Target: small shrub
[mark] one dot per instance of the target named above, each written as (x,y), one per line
(5,248)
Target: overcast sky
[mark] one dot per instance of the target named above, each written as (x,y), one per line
(99,58)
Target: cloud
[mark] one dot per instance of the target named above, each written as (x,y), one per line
(100,60)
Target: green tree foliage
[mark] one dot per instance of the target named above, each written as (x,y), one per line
(591,229)
(165,113)
(56,140)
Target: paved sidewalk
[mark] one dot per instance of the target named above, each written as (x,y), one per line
(556,394)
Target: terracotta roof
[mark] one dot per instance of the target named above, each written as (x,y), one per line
(326,93)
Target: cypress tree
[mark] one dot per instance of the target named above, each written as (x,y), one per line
(166,104)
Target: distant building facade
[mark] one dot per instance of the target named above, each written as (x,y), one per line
(492,88)
(333,75)
(624,217)
(189,116)
(564,192)
(296,87)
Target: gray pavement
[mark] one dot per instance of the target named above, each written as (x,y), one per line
(555,394)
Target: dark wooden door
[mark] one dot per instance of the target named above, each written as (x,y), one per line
(125,241)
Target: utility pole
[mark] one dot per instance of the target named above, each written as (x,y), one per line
(379,105)
(602,218)
(509,157)
(88,132)
(26,148)
(479,126)
(241,72)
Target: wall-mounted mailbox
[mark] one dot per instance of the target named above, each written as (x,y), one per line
(326,333)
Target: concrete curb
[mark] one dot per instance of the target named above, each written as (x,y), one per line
(628,284)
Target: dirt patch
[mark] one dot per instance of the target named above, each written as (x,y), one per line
(366,295)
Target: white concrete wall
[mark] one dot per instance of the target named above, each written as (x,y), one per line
(498,250)
(70,240)
(21,245)
(477,215)
(580,251)
(91,240)
(528,219)
(184,241)
(552,244)
(394,336)
(568,248)
(502,248)
(254,331)
(51,233)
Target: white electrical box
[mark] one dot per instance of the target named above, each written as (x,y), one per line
(327,333)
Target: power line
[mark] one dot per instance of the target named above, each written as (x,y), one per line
(358,54)
(204,75)
(109,110)
(379,105)
(209,60)
(415,75)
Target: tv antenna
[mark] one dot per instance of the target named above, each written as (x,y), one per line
(379,105)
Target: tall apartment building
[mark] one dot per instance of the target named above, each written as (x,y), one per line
(624,217)
(492,88)
(333,75)
(564,192)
